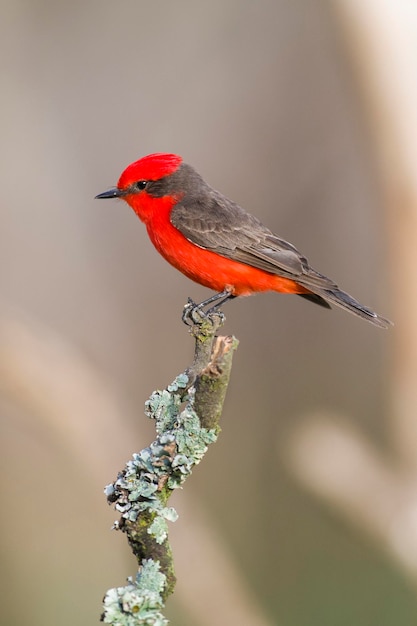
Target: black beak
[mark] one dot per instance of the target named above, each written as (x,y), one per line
(114,192)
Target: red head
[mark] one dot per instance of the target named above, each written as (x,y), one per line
(147,186)
(155,183)
(151,167)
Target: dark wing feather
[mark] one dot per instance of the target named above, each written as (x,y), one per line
(211,221)
(215,223)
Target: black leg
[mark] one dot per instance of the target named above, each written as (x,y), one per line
(221,301)
(218,297)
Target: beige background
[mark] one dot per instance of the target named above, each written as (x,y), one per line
(263,99)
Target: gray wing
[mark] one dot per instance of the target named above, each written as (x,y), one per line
(215,223)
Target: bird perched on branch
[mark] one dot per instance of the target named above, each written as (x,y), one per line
(216,243)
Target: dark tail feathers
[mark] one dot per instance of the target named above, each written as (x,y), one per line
(345,301)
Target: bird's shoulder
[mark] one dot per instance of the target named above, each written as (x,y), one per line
(208,215)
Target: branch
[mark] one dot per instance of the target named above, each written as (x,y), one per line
(187,417)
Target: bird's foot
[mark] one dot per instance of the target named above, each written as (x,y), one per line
(194,314)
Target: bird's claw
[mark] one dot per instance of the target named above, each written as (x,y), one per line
(194,314)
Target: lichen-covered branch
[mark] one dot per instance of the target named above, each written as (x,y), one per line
(186,416)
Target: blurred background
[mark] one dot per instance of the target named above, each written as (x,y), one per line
(304,112)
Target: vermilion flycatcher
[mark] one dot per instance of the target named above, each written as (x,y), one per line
(215,242)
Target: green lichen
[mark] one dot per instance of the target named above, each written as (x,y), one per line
(140,493)
(180,382)
(141,490)
(140,601)
(169,460)
(159,527)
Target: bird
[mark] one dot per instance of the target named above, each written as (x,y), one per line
(217,243)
